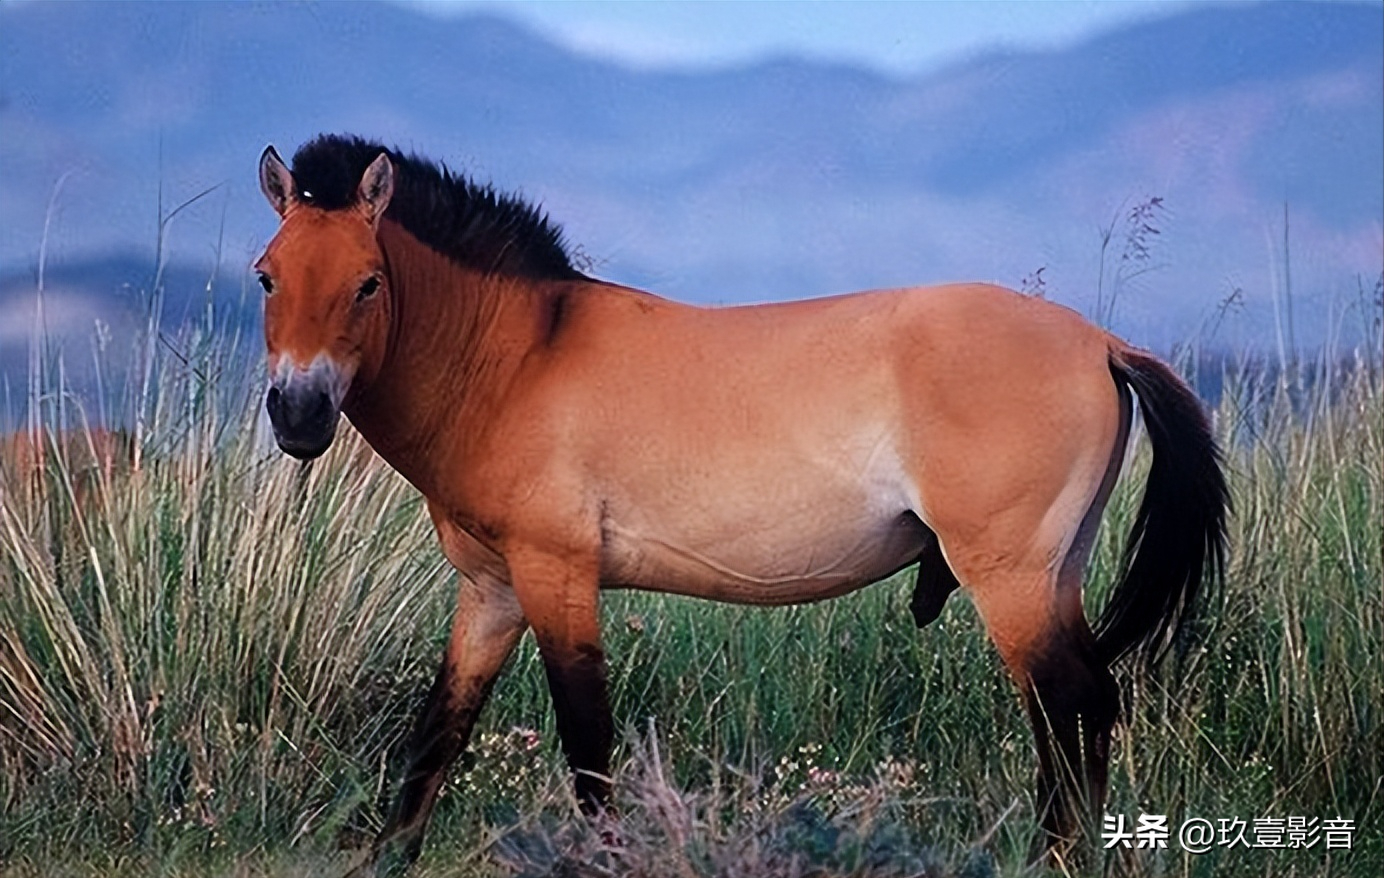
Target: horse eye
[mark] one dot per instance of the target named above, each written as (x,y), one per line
(267,283)
(368,289)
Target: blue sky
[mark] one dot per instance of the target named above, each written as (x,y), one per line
(896,37)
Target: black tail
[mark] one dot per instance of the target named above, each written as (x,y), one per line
(1179,534)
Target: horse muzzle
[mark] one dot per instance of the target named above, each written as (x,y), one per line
(303,410)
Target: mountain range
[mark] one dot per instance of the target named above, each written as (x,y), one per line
(1156,164)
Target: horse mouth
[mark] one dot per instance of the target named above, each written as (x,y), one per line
(303,450)
(304,421)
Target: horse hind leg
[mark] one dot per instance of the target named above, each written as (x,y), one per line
(1034,615)
(1071,678)
(1072,703)
(1069,696)
(1068,679)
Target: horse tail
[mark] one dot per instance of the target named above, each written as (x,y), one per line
(1179,536)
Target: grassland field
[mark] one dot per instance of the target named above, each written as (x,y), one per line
(210,655)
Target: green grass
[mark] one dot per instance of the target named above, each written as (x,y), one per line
(207,666)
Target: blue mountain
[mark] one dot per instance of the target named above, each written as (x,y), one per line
(771,180)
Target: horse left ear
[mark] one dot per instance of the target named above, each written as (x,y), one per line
(376,188)
(275,180)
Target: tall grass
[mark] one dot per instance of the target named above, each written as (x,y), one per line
(209,658)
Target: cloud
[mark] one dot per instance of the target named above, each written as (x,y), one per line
(66,314)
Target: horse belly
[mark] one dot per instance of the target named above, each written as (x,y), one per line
(819,547)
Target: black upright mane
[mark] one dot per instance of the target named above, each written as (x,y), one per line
(472,224)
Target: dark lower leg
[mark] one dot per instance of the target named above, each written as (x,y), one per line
(577,679)
(484,631)
(1072,702)
(440,734)
(560,595)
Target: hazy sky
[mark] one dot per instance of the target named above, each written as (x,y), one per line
(899,37)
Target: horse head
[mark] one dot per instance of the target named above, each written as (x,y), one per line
(327,302)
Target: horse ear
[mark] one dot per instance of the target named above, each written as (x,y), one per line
(275,180)
(376,188)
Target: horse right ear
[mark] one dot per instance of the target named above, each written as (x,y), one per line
(275,180)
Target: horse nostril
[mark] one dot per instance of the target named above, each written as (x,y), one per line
(273,404)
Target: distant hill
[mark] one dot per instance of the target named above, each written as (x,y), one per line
(782,179)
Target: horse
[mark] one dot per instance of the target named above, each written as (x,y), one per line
(57,483)
(84,456)
(68,468)
(572,435)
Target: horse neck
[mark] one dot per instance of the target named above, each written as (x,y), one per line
(456,339)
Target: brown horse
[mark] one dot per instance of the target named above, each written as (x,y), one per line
(572,435)
(80,460)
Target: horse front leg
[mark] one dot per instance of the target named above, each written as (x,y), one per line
(560,596)
(487,625)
